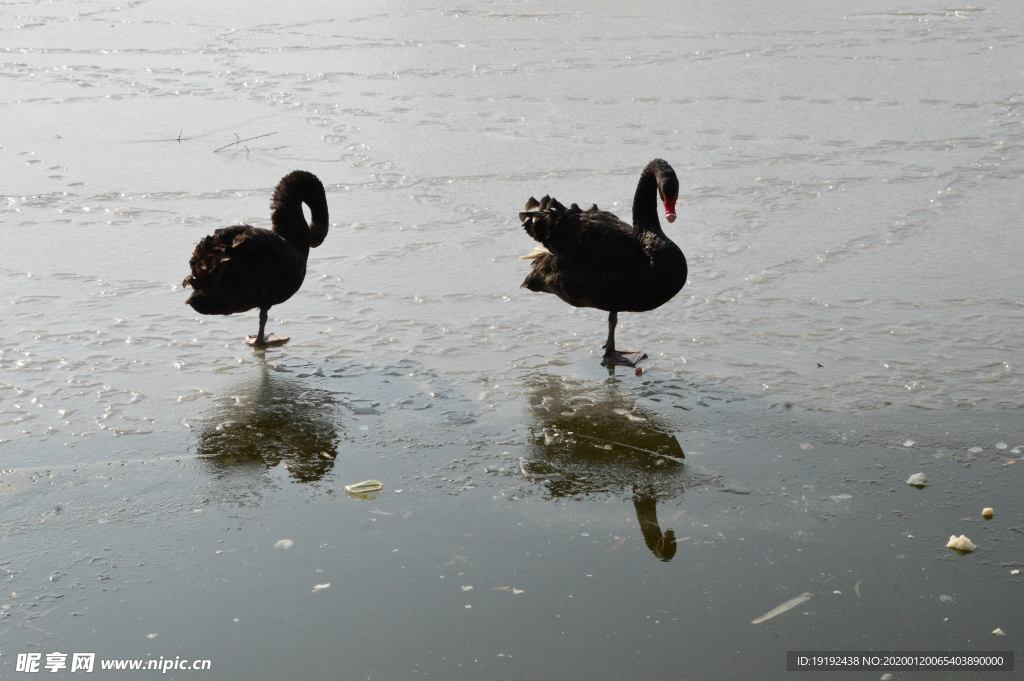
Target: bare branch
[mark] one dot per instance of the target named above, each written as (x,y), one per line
(245,140)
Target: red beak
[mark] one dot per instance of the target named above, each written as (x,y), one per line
(670,210)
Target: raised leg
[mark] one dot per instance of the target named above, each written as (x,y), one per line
(262,340)
(610,354)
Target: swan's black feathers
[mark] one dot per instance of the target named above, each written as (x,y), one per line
(241,267)
(594,259)
(579,236)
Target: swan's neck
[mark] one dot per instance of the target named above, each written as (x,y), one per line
(290,224)
(286,210)
(645,203)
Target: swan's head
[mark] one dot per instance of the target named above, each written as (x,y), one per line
(319,218)
(317,233)
(669,192)
(670,209)
(668,186)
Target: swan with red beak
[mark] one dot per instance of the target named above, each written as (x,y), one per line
(591,258)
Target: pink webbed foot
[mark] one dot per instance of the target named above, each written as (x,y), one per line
(269,340)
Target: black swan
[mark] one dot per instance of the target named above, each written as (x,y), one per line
(590,258)
(242,267)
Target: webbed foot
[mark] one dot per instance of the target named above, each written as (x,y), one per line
(269,340)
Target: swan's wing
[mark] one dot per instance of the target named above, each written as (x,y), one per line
(240,257)
(590,239)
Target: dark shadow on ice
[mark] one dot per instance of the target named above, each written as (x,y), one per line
(267,421)
(592,440)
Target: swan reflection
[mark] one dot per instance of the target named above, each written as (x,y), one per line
(593,441)
(267,421)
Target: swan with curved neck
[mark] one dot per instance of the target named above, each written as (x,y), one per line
(591,258)
(239,268)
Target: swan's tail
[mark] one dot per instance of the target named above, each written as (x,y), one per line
(538,252)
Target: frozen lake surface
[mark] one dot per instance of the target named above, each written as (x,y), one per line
(850,208)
